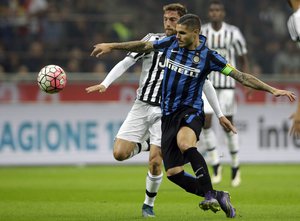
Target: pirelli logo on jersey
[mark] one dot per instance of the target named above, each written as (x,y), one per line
(180,68)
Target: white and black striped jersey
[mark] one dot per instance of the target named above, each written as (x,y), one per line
(228,42)
(149,89)
(294,26)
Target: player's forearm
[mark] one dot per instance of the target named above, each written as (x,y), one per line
(133,46)
(212,98)
(249,80)
(118,70)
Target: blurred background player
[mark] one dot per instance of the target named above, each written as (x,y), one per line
(143,120)
(228,41)
(294,30)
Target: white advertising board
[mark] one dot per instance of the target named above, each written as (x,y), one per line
(60,133)
(263,132)
(70,133)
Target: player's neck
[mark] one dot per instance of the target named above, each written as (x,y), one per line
(194,45)
(295,5)
(216,25)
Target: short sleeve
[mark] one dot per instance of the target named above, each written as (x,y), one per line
(216,61)
(137,56)
(219,63)
(239,43)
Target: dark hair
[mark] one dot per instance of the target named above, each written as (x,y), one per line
(176,7)
(216,2)
(190,20)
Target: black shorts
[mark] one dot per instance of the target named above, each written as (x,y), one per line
(187,116)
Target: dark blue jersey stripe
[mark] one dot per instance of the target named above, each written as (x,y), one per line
(175,100)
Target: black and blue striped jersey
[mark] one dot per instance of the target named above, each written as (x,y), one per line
(185,72)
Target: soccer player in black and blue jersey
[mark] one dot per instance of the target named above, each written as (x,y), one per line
(187,64)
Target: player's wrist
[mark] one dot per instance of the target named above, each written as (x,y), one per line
(220,115)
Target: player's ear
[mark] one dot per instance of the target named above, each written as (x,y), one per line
(196,31)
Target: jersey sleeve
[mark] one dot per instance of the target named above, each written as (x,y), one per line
(118,70)
(239,43)
(137,56)
(219,63)
(294,26)
(212,98)
(160,45)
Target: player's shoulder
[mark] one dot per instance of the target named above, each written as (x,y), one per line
(231,27)
(297,13)
(295,17)
(205,26)
(154,36)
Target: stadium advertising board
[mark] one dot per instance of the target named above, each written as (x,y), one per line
(122,92)
(59,134)
(35,134)
(263,134)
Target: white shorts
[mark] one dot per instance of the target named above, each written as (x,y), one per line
(142,122)
(226,98)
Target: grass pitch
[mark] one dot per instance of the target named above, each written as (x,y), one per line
(267,193)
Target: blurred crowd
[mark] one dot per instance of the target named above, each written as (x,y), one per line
(34,33)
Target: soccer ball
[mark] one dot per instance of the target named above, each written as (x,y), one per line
(52,79)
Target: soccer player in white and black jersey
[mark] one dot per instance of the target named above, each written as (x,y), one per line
(143,120)
(294,30)
(228,41)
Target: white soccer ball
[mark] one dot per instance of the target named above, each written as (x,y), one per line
(52,79)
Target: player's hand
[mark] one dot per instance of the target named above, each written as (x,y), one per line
(289,94)
(99,87)
(227,125)
(295,129)
(100,49)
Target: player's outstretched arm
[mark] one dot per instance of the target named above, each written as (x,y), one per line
(253,82)
(98,87)
(211,95)
(133,46)
(115,73)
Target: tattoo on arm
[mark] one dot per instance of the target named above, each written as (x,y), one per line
(250,81)
(134,46)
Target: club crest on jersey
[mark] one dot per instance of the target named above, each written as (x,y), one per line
(196,59)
